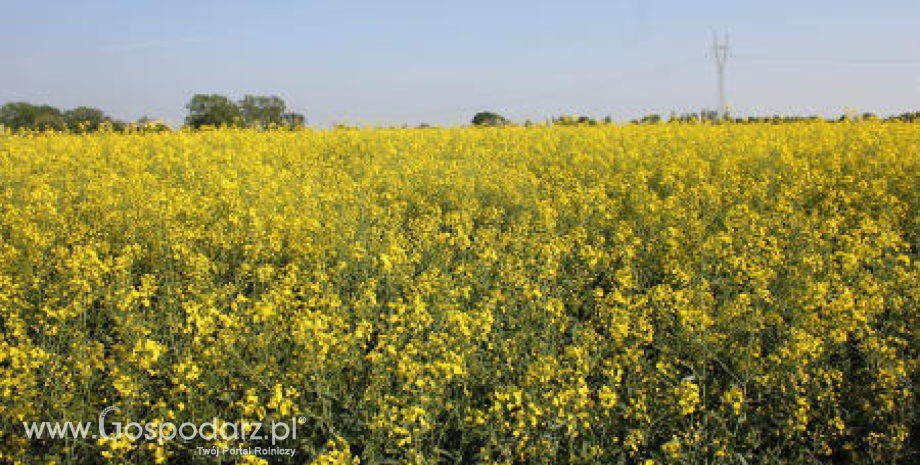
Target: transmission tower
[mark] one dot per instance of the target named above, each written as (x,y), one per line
(720,51)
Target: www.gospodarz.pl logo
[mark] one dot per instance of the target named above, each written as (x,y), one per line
(214,430)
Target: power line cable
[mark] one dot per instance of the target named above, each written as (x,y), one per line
(825,59)
(604,82)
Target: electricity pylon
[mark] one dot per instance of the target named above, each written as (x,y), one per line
(721,53)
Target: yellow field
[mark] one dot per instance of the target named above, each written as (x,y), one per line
(668,293)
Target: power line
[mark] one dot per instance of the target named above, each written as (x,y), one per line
(820,59)
(604,82)
(721,51)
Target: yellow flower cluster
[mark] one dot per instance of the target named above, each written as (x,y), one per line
(670,293)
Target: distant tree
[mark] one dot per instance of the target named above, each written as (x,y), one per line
(46,121)
(85,119)
(566,120)
(905,117)
(211,110)
(650,119)
(342,125)
(262,111)
(571,120)
(23,115)
(17,115)
(710,115)
(147,124)
(294,120)
(488,118)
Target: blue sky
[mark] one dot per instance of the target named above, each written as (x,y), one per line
(441,61)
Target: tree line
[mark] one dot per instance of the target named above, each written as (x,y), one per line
(251,111)
(203,110)
(264,112)
(490,118)
(23,115)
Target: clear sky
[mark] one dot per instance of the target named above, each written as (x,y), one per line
(441,61)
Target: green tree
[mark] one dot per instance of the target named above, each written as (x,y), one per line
(23,115)
(488,118)
(294,120)
(46,121)
(84,119)
(211,110)
(262,111)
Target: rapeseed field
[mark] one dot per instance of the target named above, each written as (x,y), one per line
(652,294)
